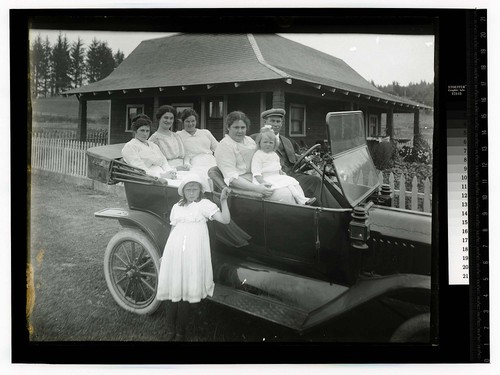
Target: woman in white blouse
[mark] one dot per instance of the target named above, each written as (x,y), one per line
(169,142)
(234,158)
(143,154)
(199,144)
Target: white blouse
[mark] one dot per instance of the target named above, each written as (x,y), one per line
(201,142)
(170,145)
(145,156)
(234,158)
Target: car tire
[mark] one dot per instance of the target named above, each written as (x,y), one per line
(131,266)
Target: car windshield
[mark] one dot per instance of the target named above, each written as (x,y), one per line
(354,168)
(346,130)
(356,174)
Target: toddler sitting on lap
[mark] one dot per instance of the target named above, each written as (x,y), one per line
(266,167)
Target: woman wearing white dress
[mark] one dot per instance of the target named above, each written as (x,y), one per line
(199,144)
(234,157)
(185,275)
(168,141)
(143,154)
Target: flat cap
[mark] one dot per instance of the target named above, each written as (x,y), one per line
(273,112)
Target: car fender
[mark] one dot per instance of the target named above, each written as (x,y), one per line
(154,227)
(405,286)
(300,302)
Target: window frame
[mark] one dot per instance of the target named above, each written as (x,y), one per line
(182,105)
(128,118)
(375,125)
(304,125)
(213,100)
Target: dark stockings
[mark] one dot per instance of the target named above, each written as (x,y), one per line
(183,317)
(171,309)
(178,317)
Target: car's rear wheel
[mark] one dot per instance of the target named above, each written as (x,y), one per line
(131,266)
(416,329)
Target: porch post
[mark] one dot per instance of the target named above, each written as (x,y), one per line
(279,99)
(389,130)
(82,120)
(203,111)
(156,105)
(416,122)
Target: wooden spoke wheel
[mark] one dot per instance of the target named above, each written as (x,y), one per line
(131,266)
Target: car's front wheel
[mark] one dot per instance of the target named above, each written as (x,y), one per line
(131,266)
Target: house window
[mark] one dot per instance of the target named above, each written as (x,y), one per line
(216,109)
(373,126)
(297,120)
(132,111)
(181,107)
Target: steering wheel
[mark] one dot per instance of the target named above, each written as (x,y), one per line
(298,164)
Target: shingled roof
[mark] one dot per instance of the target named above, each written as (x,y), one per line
(201,59)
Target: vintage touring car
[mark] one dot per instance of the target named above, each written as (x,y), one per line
(297,266)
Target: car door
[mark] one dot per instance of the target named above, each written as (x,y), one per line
(290,231)
(245,233)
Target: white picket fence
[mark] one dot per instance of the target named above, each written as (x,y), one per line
(69,158)
(414,195)
(402,198)
(60,155)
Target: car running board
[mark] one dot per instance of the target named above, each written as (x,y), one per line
(264,308)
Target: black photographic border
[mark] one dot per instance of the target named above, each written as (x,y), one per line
(452,306)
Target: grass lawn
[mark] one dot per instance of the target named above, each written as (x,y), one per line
(72,301)
(62,113)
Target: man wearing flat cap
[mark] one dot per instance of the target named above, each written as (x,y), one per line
(287,152)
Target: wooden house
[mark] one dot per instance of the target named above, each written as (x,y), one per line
(219,73)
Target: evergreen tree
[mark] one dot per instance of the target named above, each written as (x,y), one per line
(77,63)
(119,57)
(36,57)
(61,65)
(92,60)
(422,92)
(45,68)
(107,62)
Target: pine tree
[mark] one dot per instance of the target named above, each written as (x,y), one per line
(45,68)
(107,62)
(422,92)
(92,60)
(36,57)
(77,63)
(61,65)
(119,57)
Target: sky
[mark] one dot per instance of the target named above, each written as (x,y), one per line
(381,58)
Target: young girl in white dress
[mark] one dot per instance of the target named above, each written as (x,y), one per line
(266,167)
(185,275)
